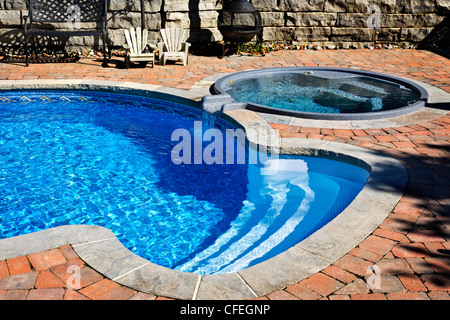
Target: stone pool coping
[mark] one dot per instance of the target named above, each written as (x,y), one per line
(101,250)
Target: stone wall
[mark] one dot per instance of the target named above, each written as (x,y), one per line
(284,21)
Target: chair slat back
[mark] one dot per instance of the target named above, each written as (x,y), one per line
(136,39)
(173,38)
(129,41)
(144,39)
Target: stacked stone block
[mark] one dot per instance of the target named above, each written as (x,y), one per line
(320,22)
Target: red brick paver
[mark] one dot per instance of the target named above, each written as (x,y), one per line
(410,249)
(53,281)
(410,246)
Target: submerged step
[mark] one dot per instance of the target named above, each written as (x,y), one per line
(294,208)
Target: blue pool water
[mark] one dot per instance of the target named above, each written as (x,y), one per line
(105,159)
(310,93)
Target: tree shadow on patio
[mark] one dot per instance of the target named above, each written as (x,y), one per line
(438,41)
(425,219)
(440,105)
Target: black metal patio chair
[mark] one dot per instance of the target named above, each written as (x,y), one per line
(73,13)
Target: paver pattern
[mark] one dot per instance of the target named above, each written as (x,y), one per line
(407,257)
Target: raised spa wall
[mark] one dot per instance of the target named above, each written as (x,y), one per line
(298,22)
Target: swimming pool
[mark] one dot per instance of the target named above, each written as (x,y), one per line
(80,157)
(322,93)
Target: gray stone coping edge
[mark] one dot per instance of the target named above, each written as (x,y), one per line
(190,98)
(100,249)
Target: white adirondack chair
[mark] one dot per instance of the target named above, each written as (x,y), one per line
(138,50)
(174,46)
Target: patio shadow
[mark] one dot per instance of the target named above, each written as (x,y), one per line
(438,41)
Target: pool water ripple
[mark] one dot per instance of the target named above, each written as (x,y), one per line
(105,159)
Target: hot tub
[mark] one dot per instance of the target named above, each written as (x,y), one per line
(318,93)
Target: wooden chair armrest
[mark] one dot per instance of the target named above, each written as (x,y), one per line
(161,46)
(185,46)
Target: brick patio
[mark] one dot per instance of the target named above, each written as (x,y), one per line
(411,248)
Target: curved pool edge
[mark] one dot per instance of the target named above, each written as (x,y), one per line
(101,250)
(187,97)
(220,87)
(367,211)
